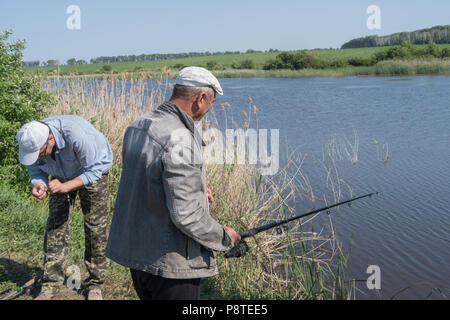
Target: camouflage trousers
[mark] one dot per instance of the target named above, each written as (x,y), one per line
(94,200)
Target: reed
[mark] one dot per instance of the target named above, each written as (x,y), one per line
(110,104)
(289,263)
(412,67)
(296,263)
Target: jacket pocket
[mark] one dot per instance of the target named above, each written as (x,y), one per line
(197,256)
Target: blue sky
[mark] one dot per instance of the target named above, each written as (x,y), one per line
(112,28)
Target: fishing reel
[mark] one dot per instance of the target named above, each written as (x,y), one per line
(237,251)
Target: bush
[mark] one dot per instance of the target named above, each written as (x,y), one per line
(407,51)
(178,66)
(22,99)
(213,65)
(294,61)
(445,53)
(244,64)
(358,62)
(106,68)
(340,63)
(433,49)
(272,64)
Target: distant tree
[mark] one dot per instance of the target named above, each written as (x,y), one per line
(437,34)
(369,41)
(71,61)
(433,49)
(28,64)
(213,65)
(106,68)
(445,53)
(247,64)
(244,64)
(52,62)
(294,61)
(360,61)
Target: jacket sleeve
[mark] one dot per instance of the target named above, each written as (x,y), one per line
(185,198)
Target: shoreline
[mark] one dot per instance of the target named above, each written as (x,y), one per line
(385,68)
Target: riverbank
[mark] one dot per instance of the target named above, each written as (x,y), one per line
(296,264)
(382,68)
(225,61)
(406,59)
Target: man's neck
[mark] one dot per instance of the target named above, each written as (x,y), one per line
(183,105)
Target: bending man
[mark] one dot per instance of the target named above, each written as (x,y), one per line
(77,157)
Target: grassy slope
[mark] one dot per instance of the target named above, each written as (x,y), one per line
(21,239)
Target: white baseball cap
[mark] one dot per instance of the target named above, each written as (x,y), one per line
(31,138)
(198,77)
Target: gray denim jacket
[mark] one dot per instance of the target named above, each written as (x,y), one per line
(161,222)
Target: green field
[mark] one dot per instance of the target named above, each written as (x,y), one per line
(226,60)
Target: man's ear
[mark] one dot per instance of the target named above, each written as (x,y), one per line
(51,138)
(202,96)
(195,104)
(200,99)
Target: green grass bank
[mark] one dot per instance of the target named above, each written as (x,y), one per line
(336,62)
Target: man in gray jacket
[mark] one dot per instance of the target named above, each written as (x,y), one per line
(161,228)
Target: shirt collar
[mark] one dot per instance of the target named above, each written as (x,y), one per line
(59,140)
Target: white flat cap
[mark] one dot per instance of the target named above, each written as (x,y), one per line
(31,138)
(198,77)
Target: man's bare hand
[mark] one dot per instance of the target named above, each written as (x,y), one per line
(210,196)
(57,186)
(235,237)
(39,191)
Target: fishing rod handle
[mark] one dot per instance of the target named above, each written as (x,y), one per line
(248,233)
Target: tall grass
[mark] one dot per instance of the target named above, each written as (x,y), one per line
(297,262)
(412,67)
(110,104)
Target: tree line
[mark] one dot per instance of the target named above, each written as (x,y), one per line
(437,34)
(405,51)
(137,58)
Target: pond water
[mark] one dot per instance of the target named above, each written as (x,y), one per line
(401,127)
(397,135)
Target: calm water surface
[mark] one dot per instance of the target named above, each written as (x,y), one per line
(404,151)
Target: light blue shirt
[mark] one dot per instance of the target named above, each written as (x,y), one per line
(81,151)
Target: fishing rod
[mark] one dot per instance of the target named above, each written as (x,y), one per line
(27,285)
(241,248)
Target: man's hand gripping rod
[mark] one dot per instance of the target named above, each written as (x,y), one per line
(241,248)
